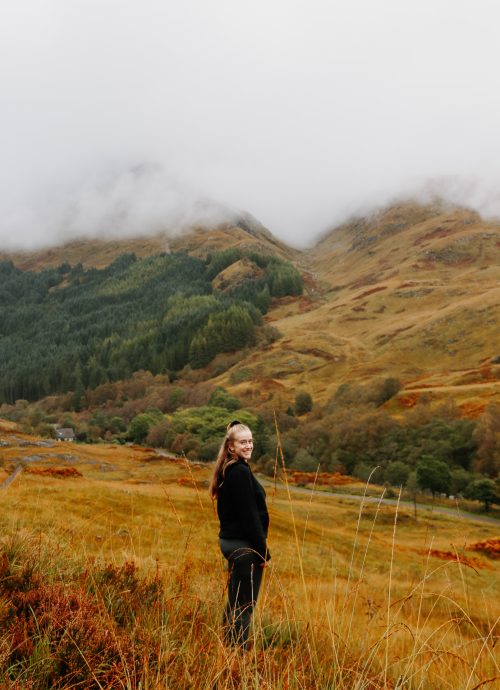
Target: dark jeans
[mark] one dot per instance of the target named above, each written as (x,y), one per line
(245,576)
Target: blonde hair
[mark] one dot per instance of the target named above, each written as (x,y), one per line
(225,457)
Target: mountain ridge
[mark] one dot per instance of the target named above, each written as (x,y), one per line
(412,292)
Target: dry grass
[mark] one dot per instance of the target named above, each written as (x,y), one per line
(384,309)
(115,580)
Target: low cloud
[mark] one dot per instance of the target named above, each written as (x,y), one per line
(142,200)
(123,118)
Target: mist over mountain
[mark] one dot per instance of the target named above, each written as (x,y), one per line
(303,115)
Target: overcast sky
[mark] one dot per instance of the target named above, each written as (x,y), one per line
(118,116)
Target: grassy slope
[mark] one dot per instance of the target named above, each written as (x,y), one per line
(340,603)
(412,292)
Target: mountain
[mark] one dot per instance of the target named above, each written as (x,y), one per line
(411,292)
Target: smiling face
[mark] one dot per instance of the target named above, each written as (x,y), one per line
(242,445)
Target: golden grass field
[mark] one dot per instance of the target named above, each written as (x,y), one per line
(357,597)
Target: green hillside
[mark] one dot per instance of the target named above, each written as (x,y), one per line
(70,328)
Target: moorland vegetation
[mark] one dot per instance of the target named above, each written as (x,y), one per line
(110,577)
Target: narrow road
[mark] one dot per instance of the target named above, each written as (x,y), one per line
(449,512)
(439,510)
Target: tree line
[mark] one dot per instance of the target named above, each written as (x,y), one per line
(72,328)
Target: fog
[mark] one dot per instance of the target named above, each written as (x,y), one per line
(129,117)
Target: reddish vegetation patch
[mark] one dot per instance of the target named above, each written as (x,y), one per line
(425,266)
(322,478)
(490,547)
(423,385)
(58,472)
(411,283)
(472,562)
(305,304)
(191,482)
(370,292)
(472,410)
(408,400)
(283,301)
(465,261)
(433,234)
(89,628)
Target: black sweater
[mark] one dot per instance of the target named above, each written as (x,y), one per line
(241,507)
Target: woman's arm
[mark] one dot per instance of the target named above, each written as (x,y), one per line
(243,492)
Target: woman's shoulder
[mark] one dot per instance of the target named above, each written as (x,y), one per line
(238,468)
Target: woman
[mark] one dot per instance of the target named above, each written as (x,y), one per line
(244,522)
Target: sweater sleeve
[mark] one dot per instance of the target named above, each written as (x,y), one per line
(244,495)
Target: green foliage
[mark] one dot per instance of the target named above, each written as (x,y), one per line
(241,374)
(141,424)
(350,434)
(283,280)
(460,479)
(364,472)
(99,325)
(280,277)
(199,431)
(207,422)
(397,473)
(433,475)
(303,402)
(304,461)
(207,451)
(117,425)
(388,388)
(222,398)
(376,392)
(485,490)
(173,399)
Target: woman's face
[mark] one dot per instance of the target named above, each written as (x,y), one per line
(242,445)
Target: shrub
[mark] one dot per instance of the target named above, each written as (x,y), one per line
(208,451)
(303,403)
(362,471)
(484,490)
(434,475)
(157,434)
(460,479)
(222,398)
(140,425)
(396,473)
(303,460)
